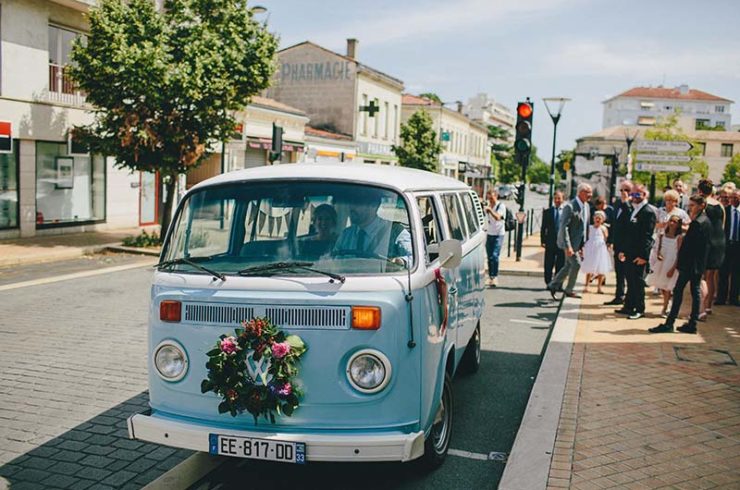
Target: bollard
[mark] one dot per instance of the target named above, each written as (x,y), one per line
(508,243)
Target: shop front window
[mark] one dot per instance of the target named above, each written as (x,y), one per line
(69,188)
(9,188)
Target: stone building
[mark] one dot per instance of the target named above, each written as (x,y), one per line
(340,95)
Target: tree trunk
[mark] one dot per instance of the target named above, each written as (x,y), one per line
(170,187)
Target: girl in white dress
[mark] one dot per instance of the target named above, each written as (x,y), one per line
(597,261)
(663,260)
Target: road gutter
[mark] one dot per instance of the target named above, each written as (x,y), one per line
(528,465)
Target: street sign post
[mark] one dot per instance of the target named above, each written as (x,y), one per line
(668,146)
(653,157)
(657,167)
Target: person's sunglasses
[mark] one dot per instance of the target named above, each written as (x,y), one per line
(624,190)
(635,194)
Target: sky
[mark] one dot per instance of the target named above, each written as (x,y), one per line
(587,50)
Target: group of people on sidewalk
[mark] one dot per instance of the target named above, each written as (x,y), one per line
(689,240)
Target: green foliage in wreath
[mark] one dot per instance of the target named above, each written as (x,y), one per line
(260,343)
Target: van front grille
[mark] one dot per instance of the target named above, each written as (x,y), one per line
(310,318)
(218,314)
(292,317)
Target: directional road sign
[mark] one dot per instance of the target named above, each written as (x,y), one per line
(657,167)
(652,157)
(670,146)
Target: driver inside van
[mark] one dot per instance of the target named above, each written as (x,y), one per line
(371,234)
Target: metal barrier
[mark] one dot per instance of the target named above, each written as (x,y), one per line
(532,225)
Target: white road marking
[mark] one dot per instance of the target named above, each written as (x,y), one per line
(530,322)
(492,456)
(76,275)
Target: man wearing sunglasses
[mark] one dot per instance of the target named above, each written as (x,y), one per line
(617,238)
(638,242)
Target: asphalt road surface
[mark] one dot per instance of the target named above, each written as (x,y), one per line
(488,410)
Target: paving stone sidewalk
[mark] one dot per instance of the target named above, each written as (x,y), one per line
(73,359)
(644,411)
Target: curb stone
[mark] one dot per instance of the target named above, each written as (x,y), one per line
(528,466)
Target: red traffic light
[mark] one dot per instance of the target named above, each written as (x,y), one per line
(524,110)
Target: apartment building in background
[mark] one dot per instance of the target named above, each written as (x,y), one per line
(646,106)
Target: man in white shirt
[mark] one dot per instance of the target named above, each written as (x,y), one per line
(496,229)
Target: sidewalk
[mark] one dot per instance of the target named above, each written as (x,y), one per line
(532,263)
(19,251)
(616,407)
(647,410)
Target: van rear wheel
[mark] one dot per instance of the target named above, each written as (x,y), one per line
(470,363)
(438,442)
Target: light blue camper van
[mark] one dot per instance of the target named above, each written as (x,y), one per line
(315,313)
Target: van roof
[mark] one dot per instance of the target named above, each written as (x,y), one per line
(401,178)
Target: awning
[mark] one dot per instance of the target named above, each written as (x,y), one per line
(266,144)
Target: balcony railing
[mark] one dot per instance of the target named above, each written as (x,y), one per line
(62,88)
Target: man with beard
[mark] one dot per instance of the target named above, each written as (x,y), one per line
(638,243)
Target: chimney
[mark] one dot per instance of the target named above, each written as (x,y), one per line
(683,89)
(352,48)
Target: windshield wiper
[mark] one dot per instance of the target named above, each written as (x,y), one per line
(191,261)
(277,266)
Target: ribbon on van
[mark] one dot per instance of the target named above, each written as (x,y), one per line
(443,299)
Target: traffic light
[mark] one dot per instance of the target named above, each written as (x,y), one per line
(523,139)
(276,151)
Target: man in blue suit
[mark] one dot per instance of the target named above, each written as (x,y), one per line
(554,255)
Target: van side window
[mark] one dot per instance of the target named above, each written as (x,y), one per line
(478,209)
(470,216)
(454,217)
(430,224)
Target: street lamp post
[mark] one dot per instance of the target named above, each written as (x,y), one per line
(555,116)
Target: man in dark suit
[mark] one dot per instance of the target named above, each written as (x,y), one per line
(617,238)
(572,233)
(692,261)
(729,273)
(554,255)
(638,242)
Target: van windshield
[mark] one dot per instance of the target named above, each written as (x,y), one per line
(336,227)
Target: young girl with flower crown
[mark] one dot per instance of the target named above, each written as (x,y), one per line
(663,260)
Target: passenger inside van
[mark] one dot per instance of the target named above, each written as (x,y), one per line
(324,235)
(369,234)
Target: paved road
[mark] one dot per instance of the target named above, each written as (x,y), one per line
(489,408)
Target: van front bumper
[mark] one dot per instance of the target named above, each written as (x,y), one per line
(355,447)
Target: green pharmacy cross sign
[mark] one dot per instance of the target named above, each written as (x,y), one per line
(371,108)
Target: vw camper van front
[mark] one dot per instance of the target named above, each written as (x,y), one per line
(282,325)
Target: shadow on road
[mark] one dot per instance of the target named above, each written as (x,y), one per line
(97,451)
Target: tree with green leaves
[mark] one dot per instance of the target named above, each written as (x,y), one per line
(732,171)
(165,83)
(431,96)
(502,154)
(419,145)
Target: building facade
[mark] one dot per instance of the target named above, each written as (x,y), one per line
(645,106)
(466,154)
(342,96)
(49,184)
(251,143)
(486,110)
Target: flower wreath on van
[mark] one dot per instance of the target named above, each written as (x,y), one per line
(238,370)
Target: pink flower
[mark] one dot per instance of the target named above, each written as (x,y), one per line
(280,350)
(229,345)
(286,390)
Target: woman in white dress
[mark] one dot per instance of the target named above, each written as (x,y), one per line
(663,260)
(597,261)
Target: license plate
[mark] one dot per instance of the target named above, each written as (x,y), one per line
(254,448)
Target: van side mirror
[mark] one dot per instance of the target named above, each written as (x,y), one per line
(450,253)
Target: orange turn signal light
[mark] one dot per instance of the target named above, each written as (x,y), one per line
(366,317)
(170,310)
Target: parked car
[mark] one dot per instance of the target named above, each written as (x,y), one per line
(507,191)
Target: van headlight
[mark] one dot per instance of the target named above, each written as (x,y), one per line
(369,371)
(170,360)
